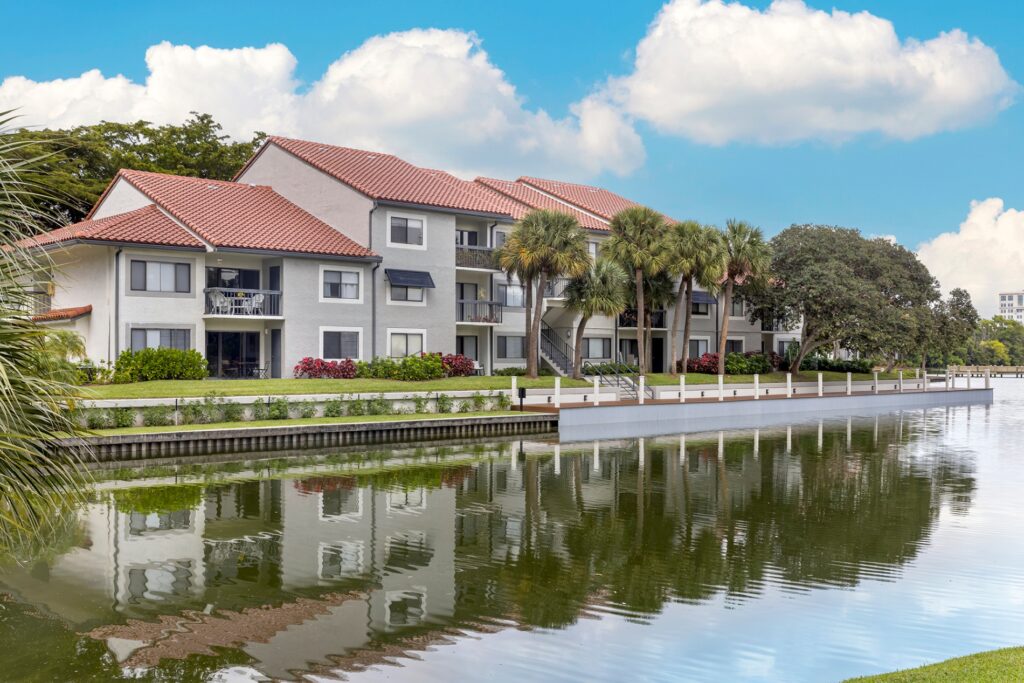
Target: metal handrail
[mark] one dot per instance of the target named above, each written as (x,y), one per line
(234,301)
(478,311)
(558,350)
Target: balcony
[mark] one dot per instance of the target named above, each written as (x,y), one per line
(555,289)
(628,319)
(477,258)
(478,312)
(226,302)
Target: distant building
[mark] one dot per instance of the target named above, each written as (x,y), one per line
(1011,305)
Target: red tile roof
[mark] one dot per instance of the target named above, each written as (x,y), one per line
(241,216)
(593,199)
(526,198)
(385,177)
(63,314)
(148,225)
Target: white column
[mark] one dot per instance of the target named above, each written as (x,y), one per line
(821,385)
(821,435)
(641,454)
(968,373)
(757,443)
(789,438)
(682,449)
(849,434)
(597,392)
(875,376)
(721,387)
(926,382)
(643,391)
(917,373)
(757,386)
(947,378)
(558,459)
(558,392)
(901,381)
(597,456)
(988,378)
(721,445)
(682,388)
(849,384)
(515,389)
(789,385)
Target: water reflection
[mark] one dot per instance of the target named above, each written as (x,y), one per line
(327,569)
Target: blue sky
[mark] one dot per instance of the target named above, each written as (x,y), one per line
(556,54)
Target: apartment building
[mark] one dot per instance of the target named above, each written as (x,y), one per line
(1011,305)
(331,252)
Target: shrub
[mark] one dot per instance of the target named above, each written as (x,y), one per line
(260,410)
(357,406)
(99,418)
(334,408)
(419,404)
(504,401)
(457,365)
(232,412)
(510,372)
(201,412)
(465,407)
(278,409)
(378,406)
(612,368)
(124,417)
(318,368)
(706,364)
(306,409)
(419,368)
(378,368)
(156,364)
(158,416)
(479,402)
(444,403)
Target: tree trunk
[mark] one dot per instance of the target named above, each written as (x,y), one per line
(687,325)
(806,346)
(726,305)
(649,337)
(674,345)
(531,358)
(641,348)
(577,354)
(538,313)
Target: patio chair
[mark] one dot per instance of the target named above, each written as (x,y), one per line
(256,307)
(220,303)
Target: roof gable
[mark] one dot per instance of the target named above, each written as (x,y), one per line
(587,197)
(527,198)
(147,225)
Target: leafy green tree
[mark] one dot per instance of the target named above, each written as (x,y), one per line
(602,290)
(1009,332)
(695,253)
(636,243)
(79,162)
(992,352)
(747,257)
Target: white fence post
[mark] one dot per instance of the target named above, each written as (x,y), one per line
(597,392)
(721,387)
(757,386)
(849,384)
(643,390)
(947,378)
(925,385)
(821,385)
(917,373)
(968,373)
(515,388)
(558,392)
(988,378)
(789,385)
(682,388)
(901,381)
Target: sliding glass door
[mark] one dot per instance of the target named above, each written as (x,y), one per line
(233,354)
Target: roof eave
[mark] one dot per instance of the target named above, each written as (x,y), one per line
(447,209)
(373,258)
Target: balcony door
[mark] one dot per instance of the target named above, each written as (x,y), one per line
(233,355)
(233,278)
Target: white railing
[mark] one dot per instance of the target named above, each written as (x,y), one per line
(242,303)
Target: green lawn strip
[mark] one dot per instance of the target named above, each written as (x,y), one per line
(279,387)
(984,667)
(300,421)
(659,379)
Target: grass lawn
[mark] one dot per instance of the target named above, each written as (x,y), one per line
(278,387)
(301,421)
(779,377)
(985,667)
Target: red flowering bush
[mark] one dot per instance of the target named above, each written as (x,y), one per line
(318,368)
(457,365)
(706,364)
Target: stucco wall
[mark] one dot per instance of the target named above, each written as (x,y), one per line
(83,275)
(122,197)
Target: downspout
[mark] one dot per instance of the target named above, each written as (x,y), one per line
(373,284)
(117,304)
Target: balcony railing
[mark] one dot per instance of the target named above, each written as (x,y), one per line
(475,257)
(628,319)
(243,303)
(470,311)
(555,289)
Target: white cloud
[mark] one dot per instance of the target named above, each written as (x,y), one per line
(985,256)
(716,72)
(431,96)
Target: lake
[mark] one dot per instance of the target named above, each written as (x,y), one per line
(813,551)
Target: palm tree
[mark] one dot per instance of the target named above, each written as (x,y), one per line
(747,256)
(544,245)
(599,291)
(35,407)
(695,254)
(637,235)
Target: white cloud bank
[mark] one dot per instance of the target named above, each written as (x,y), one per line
(985,256)
(717,72)
(432,96)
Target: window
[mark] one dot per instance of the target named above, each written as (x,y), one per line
(157,276)
(785,346)
(499,238)
(698,308)
(406,344)
(592,248)
(406,231)
(698,347)
(466,346)
(160,338)
(406,293)
(466,238)
(511,347)
(341,284)
(736,310)
(734,346)
(340,344)
(511,296)
(233,278)
(597,347)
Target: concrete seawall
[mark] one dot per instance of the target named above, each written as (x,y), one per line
(653,419)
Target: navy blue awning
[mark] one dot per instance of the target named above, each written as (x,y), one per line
(409,278)
(700,297)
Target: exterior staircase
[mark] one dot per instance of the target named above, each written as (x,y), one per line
(554,351)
